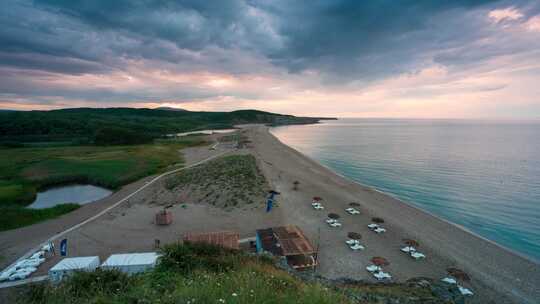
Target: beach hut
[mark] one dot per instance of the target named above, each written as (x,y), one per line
(68,266)
(131,263)
(225,239)
(289,242)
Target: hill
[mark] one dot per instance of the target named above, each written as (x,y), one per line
(82,124)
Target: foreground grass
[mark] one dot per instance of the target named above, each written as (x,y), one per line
(23,171)
(225,182)
(190,274)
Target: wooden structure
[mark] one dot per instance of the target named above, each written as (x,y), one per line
(289,242)
(163,217)
(225,239)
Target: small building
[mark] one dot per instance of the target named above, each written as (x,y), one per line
(225,239)
(68,266)
(164,217)
(131,263)
(290,242)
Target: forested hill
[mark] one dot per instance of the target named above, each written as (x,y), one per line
(85,123)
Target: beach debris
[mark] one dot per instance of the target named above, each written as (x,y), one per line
(352,211)
(377,220)
(334,216)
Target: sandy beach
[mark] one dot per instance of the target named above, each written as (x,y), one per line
(497,275)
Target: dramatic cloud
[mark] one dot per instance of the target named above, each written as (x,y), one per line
(351,58)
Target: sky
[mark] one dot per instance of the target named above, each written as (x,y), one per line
(385,58)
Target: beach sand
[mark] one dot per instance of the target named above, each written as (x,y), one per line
(498,275)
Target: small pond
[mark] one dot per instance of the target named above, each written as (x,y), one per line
(79,194)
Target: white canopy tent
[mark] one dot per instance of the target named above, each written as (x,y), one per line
(131,263)
(68,266)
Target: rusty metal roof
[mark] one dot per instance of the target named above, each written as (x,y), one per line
(285,240)
(226,239)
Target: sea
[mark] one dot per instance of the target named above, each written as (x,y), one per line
(481,174)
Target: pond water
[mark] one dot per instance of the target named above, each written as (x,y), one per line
(78,194)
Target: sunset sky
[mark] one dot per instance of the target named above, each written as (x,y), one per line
(458,59)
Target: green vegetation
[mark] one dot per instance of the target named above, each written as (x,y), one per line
(190,273)
(14,216)
(224,182)
(85,125)
(23,171)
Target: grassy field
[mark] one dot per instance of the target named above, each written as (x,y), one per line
(192,273)
(225,182)
(24,171)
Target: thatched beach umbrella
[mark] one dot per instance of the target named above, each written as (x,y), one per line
(334,216)
(458,274)
(317,198)
(411,242)
(377,220)
(380,261)
(354,235)
(353,204)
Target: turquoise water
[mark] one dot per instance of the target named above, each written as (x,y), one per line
(483,175)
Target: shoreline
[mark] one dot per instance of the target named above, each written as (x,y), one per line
(409,204)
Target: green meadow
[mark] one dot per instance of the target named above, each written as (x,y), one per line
(24,171)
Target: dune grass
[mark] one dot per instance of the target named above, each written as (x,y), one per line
(24,171)
(190,273)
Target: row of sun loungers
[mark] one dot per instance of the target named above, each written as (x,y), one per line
(411,251)
(464,291)
(24,268)
(378,273)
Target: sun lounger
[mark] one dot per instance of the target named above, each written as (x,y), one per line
(352,242)
(465,291)
(330,221)
(417,255)
(357,246)
(19,275)
(449,280)
(373,226)
(38,255)
(408,249)
(29,263)
(379,230)
(335,224)
(47,247)
(4,276)
(373,268)
(318,207)
(352,211)
(380,275)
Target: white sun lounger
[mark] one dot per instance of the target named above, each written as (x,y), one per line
(357,246)
(449,280)
(408,249)
(373,268)
(379,230)
(4,276)
(19,275)
(352,211)
(352,242)
(373,226)
(318,207)
(417,255)
(29,263)
(38,255)
(465,291)
(380,275)
(335,224)
(331,221)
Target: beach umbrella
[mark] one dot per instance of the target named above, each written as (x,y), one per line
(458,274)
(380,261)
(377,220)
(353,204)
(317,198)
(411,242)
(354,235)
(334,216)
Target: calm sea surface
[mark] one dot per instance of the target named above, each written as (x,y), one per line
(483,175)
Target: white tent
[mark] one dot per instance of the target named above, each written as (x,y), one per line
(69,265)
(131,262)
